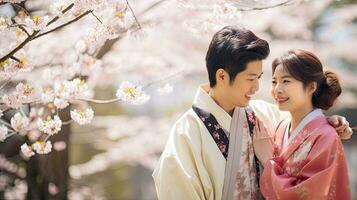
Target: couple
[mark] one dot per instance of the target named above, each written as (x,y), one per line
(229,147)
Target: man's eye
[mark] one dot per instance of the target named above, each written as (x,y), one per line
(273,82)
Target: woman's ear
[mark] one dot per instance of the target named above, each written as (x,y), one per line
(312,87)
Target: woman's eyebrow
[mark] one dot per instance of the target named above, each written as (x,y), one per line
(287,76)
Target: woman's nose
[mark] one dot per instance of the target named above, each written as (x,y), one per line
(278,88)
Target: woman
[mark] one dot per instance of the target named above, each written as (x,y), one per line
(308,159)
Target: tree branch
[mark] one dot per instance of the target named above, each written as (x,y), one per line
(63,25)
(32,36)
(28,39)
(266,7)
(98,101)
(96,17)
(118,99)
(16,59)
(21,8)
(21,26)
(110,43)
(132,11)
(24,30)
(5,83)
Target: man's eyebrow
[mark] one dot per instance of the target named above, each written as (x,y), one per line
(253,74)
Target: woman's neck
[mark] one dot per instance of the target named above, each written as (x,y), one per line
(298,115)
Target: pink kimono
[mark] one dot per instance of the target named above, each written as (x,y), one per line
(312,166)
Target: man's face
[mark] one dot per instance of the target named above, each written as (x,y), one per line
(245,84)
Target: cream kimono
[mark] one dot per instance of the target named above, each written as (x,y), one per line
(192,166)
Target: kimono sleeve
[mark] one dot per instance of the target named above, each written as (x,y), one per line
(177,175)
(323,175)
(268,113)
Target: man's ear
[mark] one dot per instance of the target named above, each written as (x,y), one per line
(222,76)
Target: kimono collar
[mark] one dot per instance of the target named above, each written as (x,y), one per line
(308,118)
(205,102)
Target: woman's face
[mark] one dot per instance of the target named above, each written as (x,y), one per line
(288,92)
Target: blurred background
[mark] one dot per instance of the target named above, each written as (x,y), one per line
(113,156)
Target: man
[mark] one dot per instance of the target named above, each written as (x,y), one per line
(209,154)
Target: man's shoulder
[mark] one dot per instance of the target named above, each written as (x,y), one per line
(188,119)
(185,131)
(261,106)
(267,112)
(258,103)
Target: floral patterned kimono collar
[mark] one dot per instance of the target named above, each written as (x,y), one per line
(310,128)
(308,118)
(205,102)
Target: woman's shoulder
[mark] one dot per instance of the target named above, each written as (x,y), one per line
(326,132)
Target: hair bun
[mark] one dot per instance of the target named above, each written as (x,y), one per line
(328,90)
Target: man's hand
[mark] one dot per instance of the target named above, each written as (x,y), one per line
(341,125)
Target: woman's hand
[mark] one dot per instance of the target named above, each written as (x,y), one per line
(262,142)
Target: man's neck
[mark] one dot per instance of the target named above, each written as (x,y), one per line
(219,99)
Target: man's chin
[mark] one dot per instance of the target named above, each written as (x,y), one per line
(243,104)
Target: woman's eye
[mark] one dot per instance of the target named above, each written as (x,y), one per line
(286,81)
(273,82)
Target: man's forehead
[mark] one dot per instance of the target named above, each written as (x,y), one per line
(253,71)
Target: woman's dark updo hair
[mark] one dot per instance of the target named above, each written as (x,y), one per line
(306,67)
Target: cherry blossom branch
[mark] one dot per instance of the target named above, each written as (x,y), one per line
(63,12)
(16,59)
(22,111)
(27,40)
(21,8)
(5,83)
(32,101)
(5,122)
(96,16)
(21,26)
(33,35)
(11,134)
(163,79)
(266,7)
(67,122)
(63,25)
(24,30)
(110,43)
(152,6)
(132,11)
(6,109)
(252,8)
(99,101)
(47,137)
